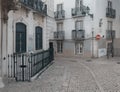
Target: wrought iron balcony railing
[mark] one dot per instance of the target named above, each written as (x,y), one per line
(79,11)
(59,35)
(59,15)
(78,34)
(110,34)
(36,5)
(110,13)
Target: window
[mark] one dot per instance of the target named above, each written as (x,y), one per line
(109,4)
(59,7)
(38,38)
(59,26)
(79,3)
(110,24)
(79,48)
(59,47)
(20,38)
(79,25)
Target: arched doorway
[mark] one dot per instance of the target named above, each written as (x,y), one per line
(38,38)
(20,38)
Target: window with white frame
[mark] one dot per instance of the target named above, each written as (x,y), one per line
(59,26)
(79,3)
(79,48)
(110,25)
(79,25)
(59,7)
(109,4)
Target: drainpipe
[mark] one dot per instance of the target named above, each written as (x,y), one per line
(112,44)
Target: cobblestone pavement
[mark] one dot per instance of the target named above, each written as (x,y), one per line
(74,75)
(107,72)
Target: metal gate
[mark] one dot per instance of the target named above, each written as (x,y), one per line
(24,66)
(19,67)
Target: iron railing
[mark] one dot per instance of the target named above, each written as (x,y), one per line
(36,5)
(59,35)
(79,11)
(59,15)
(24,66)
(78,34)
(110,13)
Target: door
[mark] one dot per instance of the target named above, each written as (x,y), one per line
(59,47)
(51,48)
(20,38)
(21,63)
(79,48)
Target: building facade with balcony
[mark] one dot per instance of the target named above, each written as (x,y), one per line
(26,29)
(82,21)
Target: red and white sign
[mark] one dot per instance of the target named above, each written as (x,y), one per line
(98,37)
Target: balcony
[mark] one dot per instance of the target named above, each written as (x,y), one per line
(59,15)
(36,5)
(110,13)
(59,35)
(79,11)
(110,34)
(78,34)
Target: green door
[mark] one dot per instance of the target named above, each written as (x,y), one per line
(20,38)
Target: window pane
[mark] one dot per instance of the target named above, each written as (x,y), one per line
(38,39)
(78,3)
(20,37)
(79,25)
(79,48)
(110,25)
(59,26)
(59,7)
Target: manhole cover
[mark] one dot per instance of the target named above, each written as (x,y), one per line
(118,62)
(89,60)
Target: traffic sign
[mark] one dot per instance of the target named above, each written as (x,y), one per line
(98,37)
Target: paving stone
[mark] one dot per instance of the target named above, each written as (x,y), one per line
(69,75)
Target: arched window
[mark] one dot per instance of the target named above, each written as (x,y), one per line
(38,38)
(20,38)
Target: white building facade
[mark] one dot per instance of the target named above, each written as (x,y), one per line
(27,29)
(78,22)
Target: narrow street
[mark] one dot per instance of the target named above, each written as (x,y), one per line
(74,75)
